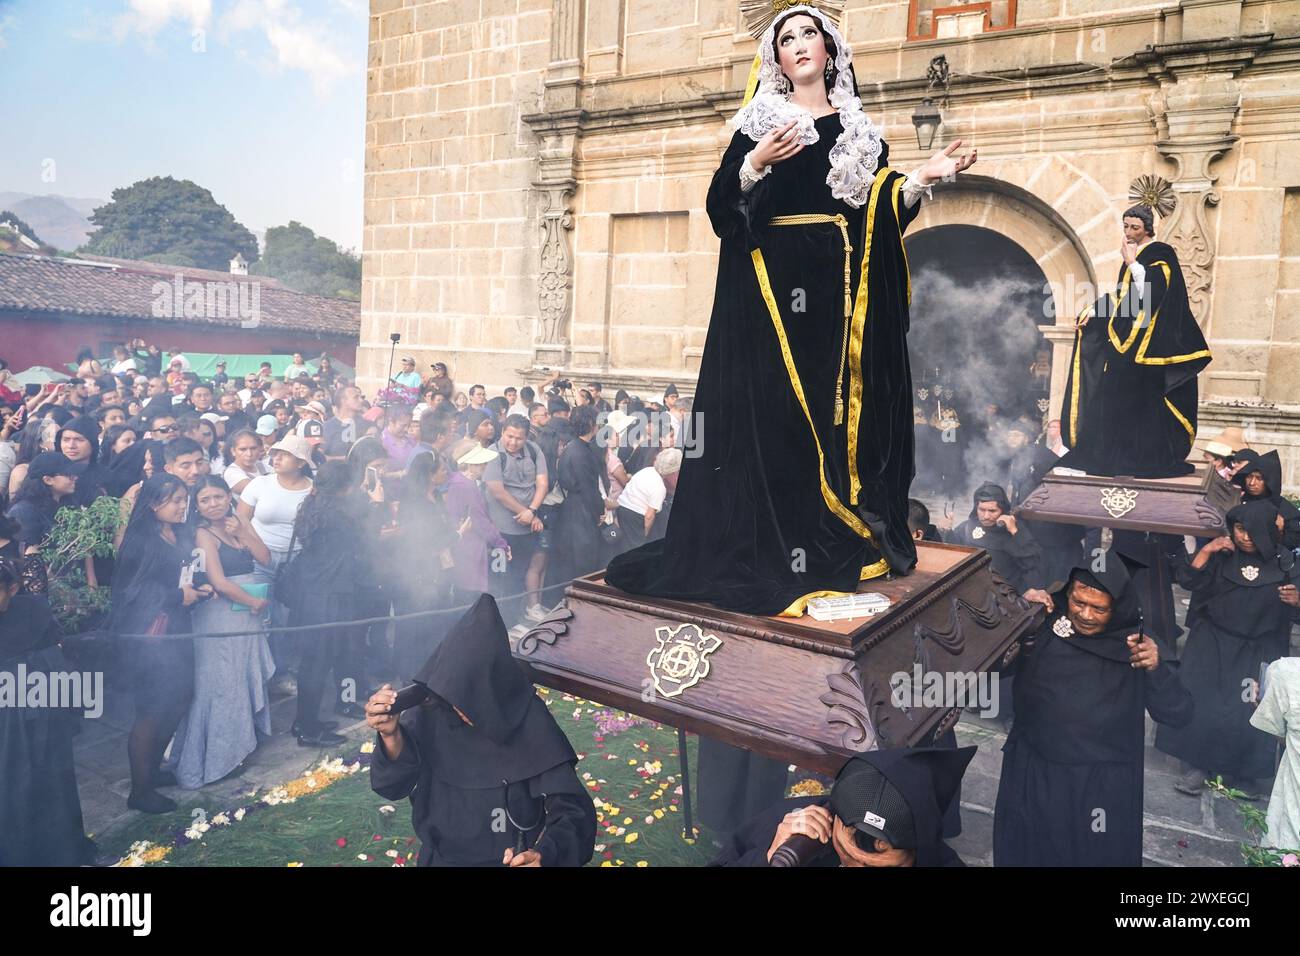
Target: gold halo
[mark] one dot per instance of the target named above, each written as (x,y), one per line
(759,14)
(1153,191)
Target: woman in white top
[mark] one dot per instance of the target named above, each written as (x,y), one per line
(271,501)
(244,449)
(642,500)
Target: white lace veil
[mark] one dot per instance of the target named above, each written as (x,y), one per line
(856,152)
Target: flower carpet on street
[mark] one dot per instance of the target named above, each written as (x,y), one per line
(329,816)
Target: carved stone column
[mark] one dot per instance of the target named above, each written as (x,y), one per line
(1194,112)
(557,129)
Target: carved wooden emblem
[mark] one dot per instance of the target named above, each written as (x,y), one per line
(681,659)
(1118,501)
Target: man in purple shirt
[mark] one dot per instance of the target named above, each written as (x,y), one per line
(396,437)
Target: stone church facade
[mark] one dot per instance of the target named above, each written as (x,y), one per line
(536,173)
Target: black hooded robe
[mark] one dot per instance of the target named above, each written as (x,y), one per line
(508,781)
(1070,793)
(783,502)
(1016,557)
(1269,465)
(40,809)
(1241,626)
(1130,395)
(930,785)
(91,482)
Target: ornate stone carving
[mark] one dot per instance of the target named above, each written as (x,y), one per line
(555,279)
(1194,113)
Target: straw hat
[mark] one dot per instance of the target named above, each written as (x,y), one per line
(478,455)
(1227,442)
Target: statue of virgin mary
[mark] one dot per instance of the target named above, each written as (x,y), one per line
(804,400)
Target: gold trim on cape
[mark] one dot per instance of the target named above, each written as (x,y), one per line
(855,340)
(800,604)
(1182,420)
(836,507)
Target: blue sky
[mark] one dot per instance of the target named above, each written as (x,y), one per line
(260,101)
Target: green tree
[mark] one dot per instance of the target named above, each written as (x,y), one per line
(170,221)
(307,262)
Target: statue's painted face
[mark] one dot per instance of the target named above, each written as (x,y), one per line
(801,50)
(1135,230)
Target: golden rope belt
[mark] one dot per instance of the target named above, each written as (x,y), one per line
(843,223)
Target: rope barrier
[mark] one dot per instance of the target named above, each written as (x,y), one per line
(300,628)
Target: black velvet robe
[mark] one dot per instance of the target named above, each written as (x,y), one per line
(1130,397)
(40,810)
(782,502)
(1240,627)
(1070,793)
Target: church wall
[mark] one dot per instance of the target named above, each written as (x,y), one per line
(536,172)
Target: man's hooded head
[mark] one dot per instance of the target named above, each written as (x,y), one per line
(901,795)
(1268,465)
(1259,518)
(1269,564)
(88,429)
(990,492)
(510,735)
(1113,574)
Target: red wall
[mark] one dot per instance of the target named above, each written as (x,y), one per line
(40,339)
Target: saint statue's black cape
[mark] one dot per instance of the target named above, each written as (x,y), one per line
(929,782)
(508,781)
(782,502)
(1240,627)
(1130,395)
(40,810)
(1070,793)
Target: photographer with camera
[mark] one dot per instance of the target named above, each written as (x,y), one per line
(886,808)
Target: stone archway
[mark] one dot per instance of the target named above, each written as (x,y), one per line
(1065,255)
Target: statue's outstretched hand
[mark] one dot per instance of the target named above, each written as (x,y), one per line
(943,166)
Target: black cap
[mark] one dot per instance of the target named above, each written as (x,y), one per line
(865,799)
(313,429)
(50,463)
(901,794)
(670,390)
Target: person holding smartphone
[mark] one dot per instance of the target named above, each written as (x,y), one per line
(490,775)
(153,595)
(230,707)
